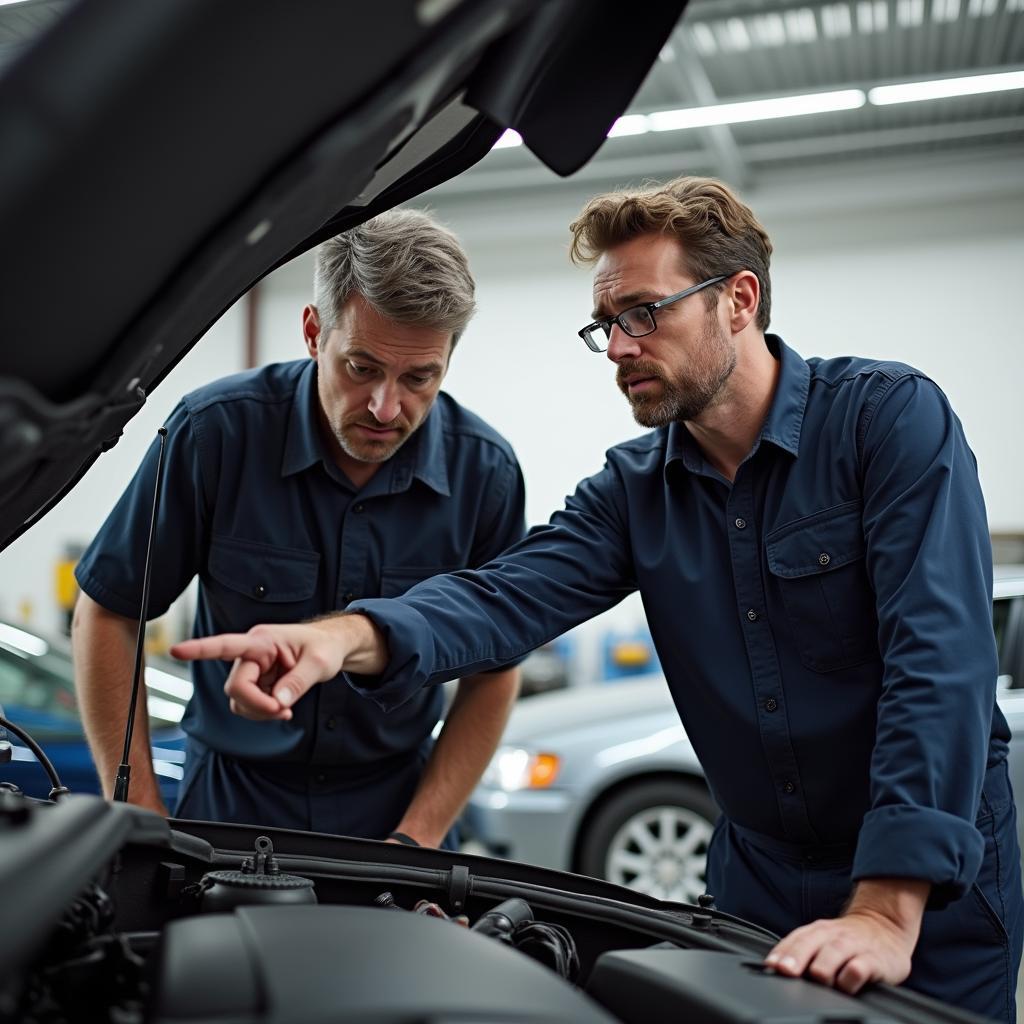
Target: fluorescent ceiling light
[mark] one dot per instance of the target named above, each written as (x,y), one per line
(941,88)
(721,113)
(755,110)
(22,641)
(509,139)
(797,106)
(164,682)
(629,124)
(168,710)
(168,769)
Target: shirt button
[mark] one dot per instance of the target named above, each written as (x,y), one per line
(741,524)
(359,508)
(349,597)
(259,590)
(788,787)
(320,777)
(771,704)
(823,559)
(330,723)
(752,615)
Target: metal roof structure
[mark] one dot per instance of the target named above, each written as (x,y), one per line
(728,51)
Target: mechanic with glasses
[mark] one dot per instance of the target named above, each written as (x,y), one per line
(291,490)
(810,542)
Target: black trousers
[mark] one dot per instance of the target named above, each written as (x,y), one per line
(969,952)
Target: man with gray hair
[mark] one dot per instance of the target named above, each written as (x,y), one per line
(292,490)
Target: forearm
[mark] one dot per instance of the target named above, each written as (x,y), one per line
(900,901)
(364,648)
(872,940)
(471,733)
(104,654)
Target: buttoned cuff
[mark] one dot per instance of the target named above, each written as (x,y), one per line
(901,841)
(410,641)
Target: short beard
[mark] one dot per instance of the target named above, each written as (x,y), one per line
(368,451)
(685,396)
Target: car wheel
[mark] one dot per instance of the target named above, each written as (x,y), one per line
(652,837)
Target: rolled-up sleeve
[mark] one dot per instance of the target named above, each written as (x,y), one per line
(462,623)
(929,561)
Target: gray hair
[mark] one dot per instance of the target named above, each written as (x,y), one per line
(408,268)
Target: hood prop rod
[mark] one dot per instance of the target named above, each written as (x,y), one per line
(124,770)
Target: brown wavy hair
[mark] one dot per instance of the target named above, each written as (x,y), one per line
(718,232)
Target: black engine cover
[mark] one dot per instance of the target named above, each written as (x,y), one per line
(331,964)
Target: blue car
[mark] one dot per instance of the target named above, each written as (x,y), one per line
(37,693)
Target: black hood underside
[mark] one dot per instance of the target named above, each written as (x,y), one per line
(159,158)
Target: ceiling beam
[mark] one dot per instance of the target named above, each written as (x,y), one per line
(691,79)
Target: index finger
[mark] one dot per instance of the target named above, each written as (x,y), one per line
(225,647)
(243,689)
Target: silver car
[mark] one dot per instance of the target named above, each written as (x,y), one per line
(602,780)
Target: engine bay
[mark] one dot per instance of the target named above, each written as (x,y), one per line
(113,914)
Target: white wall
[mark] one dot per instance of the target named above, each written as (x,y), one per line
(916,262)
(921,262)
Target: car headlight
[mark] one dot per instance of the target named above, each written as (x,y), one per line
(514,768)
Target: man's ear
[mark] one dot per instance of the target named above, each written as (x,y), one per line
(311,330)
(744,292)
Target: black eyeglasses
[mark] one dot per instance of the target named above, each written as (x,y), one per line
(637,321)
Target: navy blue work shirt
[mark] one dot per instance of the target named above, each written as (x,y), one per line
(253,503)
(824,621)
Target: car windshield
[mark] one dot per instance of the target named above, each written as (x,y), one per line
(37,687)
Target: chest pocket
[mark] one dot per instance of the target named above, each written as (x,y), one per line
(396,580)
(250,582)
(817,564)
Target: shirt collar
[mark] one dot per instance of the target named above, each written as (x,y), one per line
(784,421)
(785,418)
(303,447)
(422,456)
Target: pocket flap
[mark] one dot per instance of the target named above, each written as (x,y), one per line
(819,543)
(264,572)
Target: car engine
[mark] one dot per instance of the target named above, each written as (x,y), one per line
(113,914)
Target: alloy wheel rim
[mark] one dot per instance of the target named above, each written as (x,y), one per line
(661,851)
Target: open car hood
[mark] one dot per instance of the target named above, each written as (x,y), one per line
(160,158)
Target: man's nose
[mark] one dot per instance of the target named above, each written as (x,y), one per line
(621,345)
(385,403)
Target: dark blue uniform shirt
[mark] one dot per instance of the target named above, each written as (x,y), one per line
(824,621)
(253,503)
